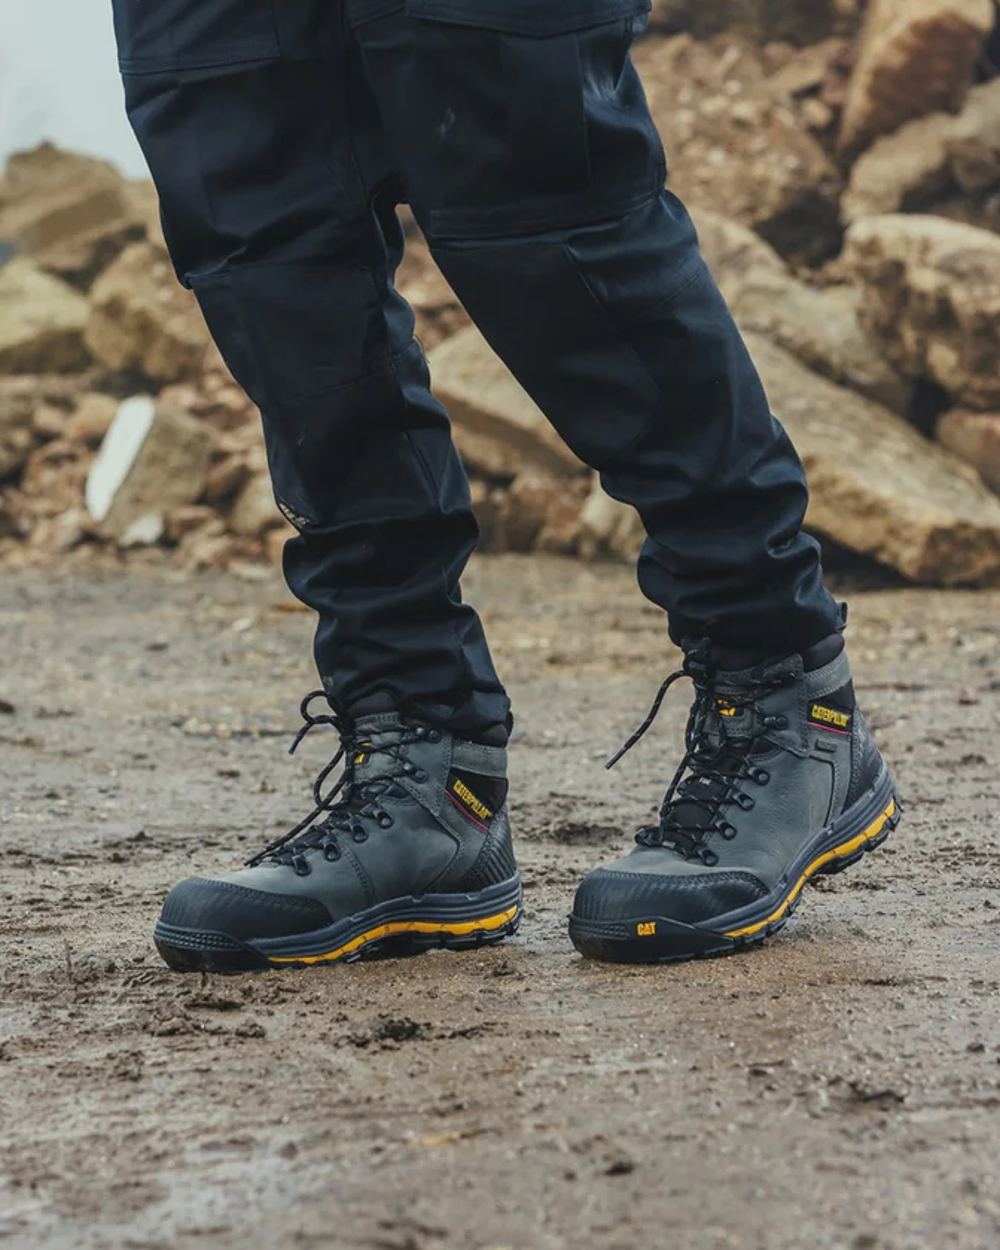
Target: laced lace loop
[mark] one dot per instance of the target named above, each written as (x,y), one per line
(715,762)
(348,803)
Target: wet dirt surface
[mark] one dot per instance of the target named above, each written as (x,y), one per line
(838,1088)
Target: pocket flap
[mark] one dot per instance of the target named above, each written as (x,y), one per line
(527,17)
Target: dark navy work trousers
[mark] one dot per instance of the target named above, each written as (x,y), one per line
(282,134)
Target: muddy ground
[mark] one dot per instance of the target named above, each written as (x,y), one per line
(839,1088)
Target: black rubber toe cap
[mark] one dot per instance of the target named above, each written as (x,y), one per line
(222,907)
(607,895)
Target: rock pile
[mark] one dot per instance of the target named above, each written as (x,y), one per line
(856,151)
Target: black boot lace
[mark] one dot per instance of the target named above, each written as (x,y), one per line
(711,777)
(350,806)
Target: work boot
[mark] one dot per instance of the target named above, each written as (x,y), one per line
(410,849)
(780,781)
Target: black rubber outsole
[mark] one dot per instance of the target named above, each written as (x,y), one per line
(658,939)
(186,950)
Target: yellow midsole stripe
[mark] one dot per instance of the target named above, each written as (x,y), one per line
(845,848)
(400,926)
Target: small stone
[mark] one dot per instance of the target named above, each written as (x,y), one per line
(91,419)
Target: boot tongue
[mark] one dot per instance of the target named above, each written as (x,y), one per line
(733,690)
(736,719)
(378,729)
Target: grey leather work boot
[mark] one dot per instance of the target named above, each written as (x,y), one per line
(411,849)
(780,781)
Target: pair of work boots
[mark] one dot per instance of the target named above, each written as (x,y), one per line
(411,847)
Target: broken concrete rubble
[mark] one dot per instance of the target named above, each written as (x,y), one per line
(914,57)
(482,397)
(142,322)
(747,128)
(42,321)
(926,158)
(975,438)
(153,459)
(18,436)
(91,418)
(932,300)
(71,214)
(878,487)
(734,141)
(821,327)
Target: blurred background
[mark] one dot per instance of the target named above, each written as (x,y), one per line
(842,161)
(69,93)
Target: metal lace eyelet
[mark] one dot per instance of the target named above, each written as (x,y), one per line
(709,858)
(419,775)
(761,776)
(385,820)
(331,853)
(301,866)
(434,735)
(360,835)
(727,831)
(744,801)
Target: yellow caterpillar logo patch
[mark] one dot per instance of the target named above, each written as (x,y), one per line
(724,708)
(830,716)
(476,806)
(646,928)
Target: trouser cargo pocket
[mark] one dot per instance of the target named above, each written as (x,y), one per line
(511,116)
(158,36)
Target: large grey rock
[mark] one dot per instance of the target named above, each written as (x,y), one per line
(932,299)
(70,213)
(507,432)
(914,57)
(153,460)
(975,438)
(142,321)
(42,321)
(821,327)
(877,486)
(929,157)
(974,141)
(734,142)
